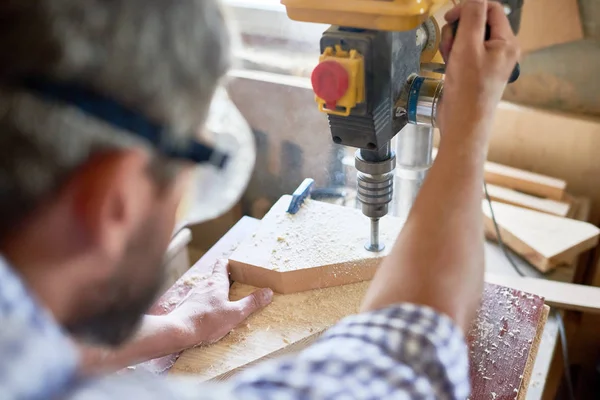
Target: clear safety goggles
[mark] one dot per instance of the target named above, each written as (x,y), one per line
(224,158)
(216,186)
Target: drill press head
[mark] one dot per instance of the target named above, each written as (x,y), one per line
(367,83)
(367,56)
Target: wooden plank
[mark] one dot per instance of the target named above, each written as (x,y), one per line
(320,246)
(566,296)
(547,23)
(574,210)
(337,235)
(546,241)
(524,181)
(527,374)
(574,270)
(509,324)
(515,198)
(558,145)
(509,332)
(289,319)
(278,222)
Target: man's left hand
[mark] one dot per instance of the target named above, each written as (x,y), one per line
(207,315)
(195,311)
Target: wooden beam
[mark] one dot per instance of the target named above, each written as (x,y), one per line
(546,241)
(320,246)
(515,198)
(524,181)
(566,296)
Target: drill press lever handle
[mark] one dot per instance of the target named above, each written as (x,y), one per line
(516,71)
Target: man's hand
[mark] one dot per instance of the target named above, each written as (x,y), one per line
(477,71)
(207,315)
(203,317)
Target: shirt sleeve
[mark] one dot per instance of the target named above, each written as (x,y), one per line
(401,352)
(405,351)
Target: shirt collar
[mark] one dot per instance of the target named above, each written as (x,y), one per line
(37,358)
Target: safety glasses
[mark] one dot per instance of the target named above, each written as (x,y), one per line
(223,159)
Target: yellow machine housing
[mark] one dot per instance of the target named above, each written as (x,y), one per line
(383,15)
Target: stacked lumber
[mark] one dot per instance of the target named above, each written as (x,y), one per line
(536,216)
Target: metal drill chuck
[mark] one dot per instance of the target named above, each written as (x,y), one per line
(375,184)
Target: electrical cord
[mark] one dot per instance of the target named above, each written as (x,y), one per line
(557,315)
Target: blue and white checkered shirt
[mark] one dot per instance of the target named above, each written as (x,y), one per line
(401,352)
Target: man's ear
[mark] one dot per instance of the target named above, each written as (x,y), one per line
(112,195)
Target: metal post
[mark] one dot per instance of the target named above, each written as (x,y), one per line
(413,160)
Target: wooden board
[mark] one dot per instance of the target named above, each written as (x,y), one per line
(503,342)
(252,342)
(547,23)
(524,181)
(320,246)
(515,198)
(544,240)
(289,319)
(553,144)
(566,296)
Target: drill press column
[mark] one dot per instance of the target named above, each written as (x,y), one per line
(413,149)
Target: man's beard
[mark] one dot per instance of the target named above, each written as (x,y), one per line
(128,294)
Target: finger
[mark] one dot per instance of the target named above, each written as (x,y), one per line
(221,267)
(254,302)
(498,22)
(453,14)
(446,42)
(220,274)
(471,29)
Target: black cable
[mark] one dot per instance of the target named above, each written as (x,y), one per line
(498,235)
(558,316)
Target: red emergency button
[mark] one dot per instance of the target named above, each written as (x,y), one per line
(330,82)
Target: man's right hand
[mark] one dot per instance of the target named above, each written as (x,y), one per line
(438,260)
(477,71)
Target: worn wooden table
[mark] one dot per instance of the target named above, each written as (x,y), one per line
(495,262)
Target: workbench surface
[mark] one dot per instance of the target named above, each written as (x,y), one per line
(495,263)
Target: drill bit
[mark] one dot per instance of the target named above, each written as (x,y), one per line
(374,245)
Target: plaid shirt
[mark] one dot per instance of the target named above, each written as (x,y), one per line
(401,352)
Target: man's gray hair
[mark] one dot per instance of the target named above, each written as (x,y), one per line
(161,57)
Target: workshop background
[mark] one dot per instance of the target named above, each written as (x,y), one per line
(549,124)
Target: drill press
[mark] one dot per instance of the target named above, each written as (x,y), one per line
(367,83)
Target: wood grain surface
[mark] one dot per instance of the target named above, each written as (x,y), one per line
(524,181)
(503,341)
(544,240)
(295,320)
(320,246)
(535,203)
